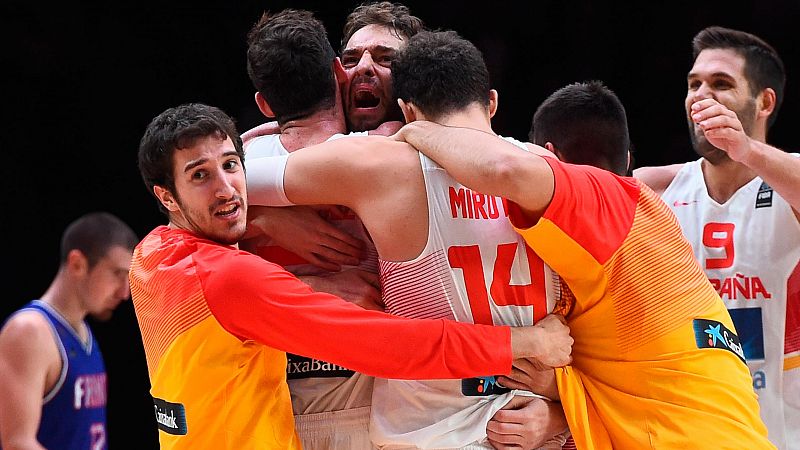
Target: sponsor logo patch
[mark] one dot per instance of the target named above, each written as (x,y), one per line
(171,417)
(482,386)
(712,334)
(764,196)
(749,325)
(300,367)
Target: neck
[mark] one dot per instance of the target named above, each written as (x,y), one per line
(725,178)
(473,116)
(313,129)
(64,300)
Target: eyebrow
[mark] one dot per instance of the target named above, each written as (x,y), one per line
(192,164)
(197,162)
(713,75)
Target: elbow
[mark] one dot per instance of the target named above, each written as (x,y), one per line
(507,174)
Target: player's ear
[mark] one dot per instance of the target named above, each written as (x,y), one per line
(76,262)
(553,150)
(338,71)
(263,106)
(767,100)
(166,198)
(409,112)
(493,102)
(340,75)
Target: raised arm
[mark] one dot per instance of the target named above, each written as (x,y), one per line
(485,162)
(339,172)
(724,130)
(374,176)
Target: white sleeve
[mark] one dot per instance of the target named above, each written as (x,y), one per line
(265,181)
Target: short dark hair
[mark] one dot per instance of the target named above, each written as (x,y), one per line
(586,123)
(177,128)
(440,72)
(290,62)
(94,234)
(763,67)
(394,16)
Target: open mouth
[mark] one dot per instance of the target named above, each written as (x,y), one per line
(228,211)
(365,99)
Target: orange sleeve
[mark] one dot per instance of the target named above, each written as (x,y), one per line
(594,207)
(255,299)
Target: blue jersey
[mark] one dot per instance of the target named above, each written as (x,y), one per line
(74,410)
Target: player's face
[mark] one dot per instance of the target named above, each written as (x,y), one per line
(719,74)
(210,196)
(367,58)
(107,283)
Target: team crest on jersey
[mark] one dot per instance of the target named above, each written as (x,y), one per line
(481,386)
(171,417)
(764,196)
(713,334)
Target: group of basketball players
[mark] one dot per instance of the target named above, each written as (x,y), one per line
(443,222)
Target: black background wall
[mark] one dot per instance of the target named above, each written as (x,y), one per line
(83,79)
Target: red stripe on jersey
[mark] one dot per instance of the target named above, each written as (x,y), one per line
(420,289)
(792,341)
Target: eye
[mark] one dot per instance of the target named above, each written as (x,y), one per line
(231,164)
(199,175)
(722,84)
(349,61)
(694,85)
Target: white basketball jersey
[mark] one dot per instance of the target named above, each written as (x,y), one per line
(749,248)
(317,386)
(474,268)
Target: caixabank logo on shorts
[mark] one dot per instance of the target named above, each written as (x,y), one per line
(712,334)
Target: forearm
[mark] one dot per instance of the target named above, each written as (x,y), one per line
(477,159)
(485,162)
(779,169)
(285,314)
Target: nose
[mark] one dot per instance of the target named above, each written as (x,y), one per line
(365,64)
(225,187)
(124,292)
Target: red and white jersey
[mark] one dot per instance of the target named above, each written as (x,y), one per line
(749,248)
(474,268)
(316,386)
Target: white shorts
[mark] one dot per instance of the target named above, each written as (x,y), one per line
(335,430)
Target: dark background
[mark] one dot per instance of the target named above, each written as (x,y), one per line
(83,79)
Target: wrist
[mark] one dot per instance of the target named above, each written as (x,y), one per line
(414,132)
(525,342)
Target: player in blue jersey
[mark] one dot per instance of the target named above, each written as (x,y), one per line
(52,375)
